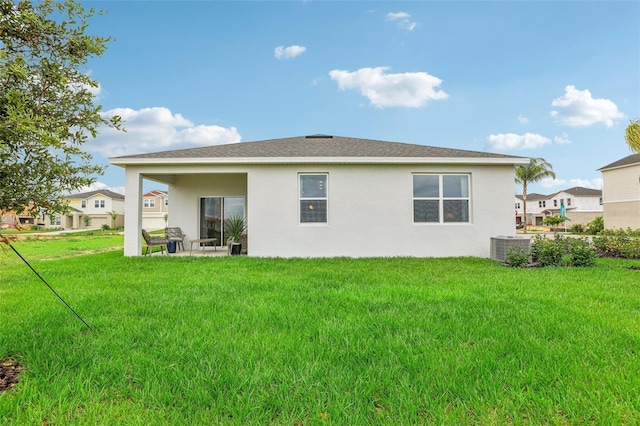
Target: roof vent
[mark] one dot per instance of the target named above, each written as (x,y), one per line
(318,137)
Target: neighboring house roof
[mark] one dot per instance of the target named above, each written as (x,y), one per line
(156,193)
(314,147)
(578,191)
(105,192)
(533,197)
(626,161)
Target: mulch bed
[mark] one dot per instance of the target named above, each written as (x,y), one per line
(9,373)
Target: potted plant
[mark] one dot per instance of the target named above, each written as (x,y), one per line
(235,225)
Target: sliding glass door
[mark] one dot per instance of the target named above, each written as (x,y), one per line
(213,211)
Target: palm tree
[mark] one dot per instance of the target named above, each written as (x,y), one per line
(632,135)
(114,217)
(535,171)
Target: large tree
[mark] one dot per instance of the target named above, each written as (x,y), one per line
(48,107)
(632,135)
(535,171)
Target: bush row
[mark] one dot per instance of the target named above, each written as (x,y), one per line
(618,243)
(556,251)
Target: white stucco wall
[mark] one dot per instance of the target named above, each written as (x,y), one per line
(370,209)
(371,213)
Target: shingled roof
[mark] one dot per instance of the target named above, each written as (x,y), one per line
(579,191)
(626,161)
(105,192)
(316,146)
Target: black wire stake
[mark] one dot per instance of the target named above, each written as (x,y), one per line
(50,288)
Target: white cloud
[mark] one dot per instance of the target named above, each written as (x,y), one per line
(570,183)
(509,141)
(577,108)
(523,120)
(100,185)
(282,52)
(402,18)
(157,129)
(410,90)
(392,16)
(563,139)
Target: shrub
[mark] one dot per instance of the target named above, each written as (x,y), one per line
(562,251)
(577,228)
(596,225)
(516,257)
(618,243)
(105,227)
(582,254)
(35,227)
(547,252)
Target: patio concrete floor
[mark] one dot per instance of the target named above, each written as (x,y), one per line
(207,251)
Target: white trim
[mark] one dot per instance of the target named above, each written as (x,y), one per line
(317,160)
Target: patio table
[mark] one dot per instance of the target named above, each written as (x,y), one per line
(201,241)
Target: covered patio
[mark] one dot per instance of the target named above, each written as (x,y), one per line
(199,201)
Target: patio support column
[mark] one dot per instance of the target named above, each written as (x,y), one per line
(133,213)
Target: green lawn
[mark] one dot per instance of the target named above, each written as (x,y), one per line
(236,340)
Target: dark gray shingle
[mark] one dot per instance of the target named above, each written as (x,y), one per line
(626,161)
(318,146)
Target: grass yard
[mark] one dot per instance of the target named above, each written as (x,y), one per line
(236,340)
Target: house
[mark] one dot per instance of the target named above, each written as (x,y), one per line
(581,205)
(97,206)
(325,196)
(155,208)
(536,205)
(25,219)
(621,193)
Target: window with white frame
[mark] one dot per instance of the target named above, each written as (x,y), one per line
(555,203)
(56,221)
(568,201)
(98,204)
(84,204)
(313,197)
(441,198)
(149,203)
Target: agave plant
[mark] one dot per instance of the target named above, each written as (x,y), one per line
(235,225)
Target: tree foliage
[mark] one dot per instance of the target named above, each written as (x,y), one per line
(632,135)
(554,220)
(47,103)
(535,171)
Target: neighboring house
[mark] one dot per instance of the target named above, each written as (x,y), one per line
(97,205)
(25,220)
(582,205)
(621,193)
(11,219)
(155,206)
(325,196)
(536,205)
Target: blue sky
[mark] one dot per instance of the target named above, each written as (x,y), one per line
(558,80)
